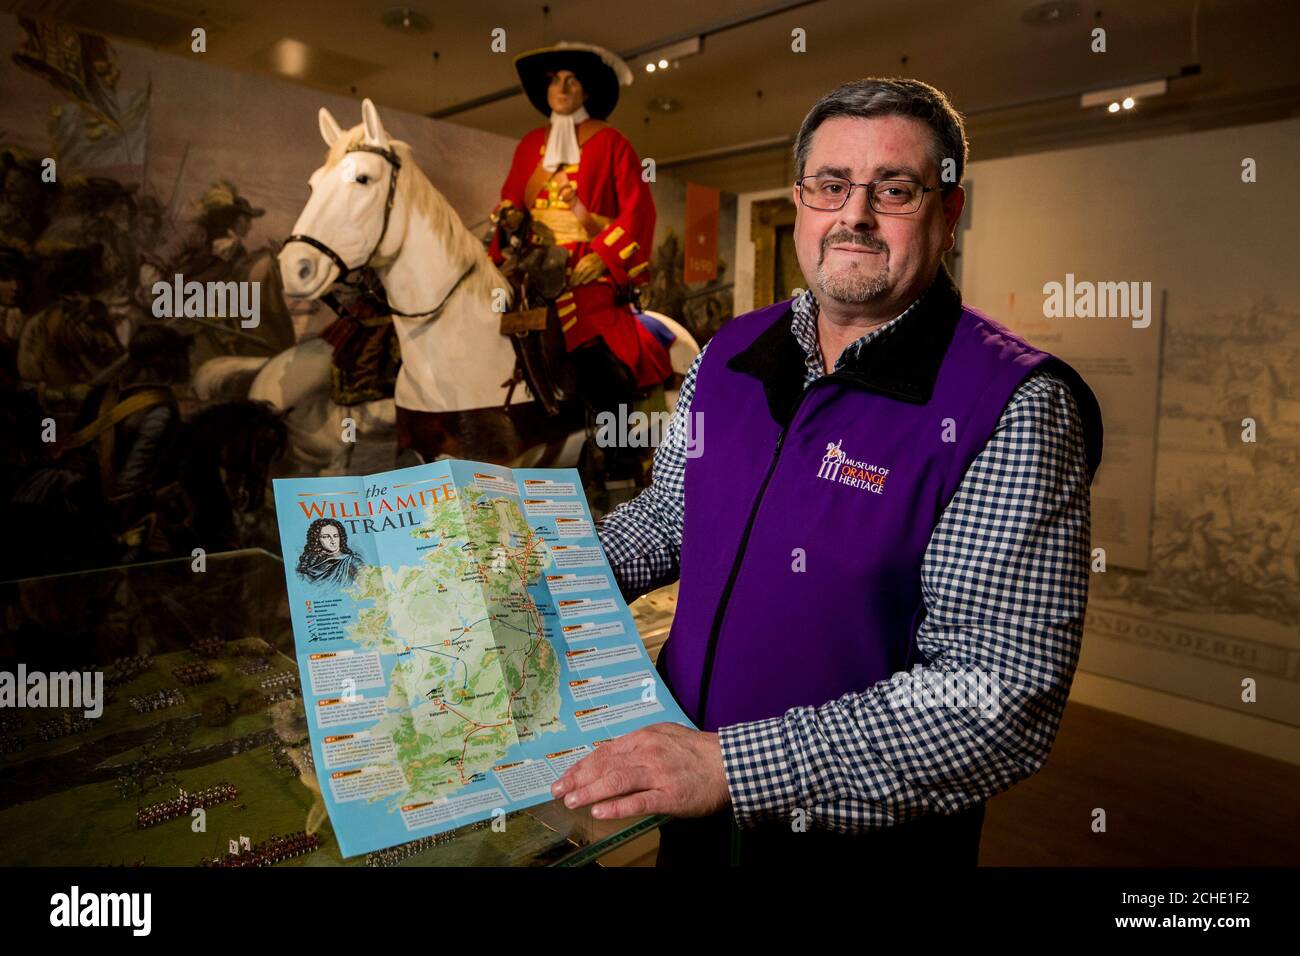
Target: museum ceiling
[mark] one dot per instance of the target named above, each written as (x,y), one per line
(734,89)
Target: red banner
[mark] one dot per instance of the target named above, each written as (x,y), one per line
(701,246)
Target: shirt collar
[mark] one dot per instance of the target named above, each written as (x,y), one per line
(803,326)
(902,364)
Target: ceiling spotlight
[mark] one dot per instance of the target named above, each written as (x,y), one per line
(661,58)
(1128,95)
(1049,14)
(290,58)
(406,20)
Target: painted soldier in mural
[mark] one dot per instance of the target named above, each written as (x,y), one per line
(13,291)
(204,248)
(211,246)
(132,424)
(23,199)
(110,480)
(576,182)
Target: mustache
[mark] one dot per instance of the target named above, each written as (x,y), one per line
(853,238)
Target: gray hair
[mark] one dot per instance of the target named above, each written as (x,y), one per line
(875,96)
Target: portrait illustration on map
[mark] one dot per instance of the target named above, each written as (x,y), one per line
(326,557)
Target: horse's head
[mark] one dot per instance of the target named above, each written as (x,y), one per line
(349,218)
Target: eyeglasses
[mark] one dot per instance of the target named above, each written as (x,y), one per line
(890,197)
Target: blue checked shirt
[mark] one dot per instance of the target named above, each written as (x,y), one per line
(1005,584)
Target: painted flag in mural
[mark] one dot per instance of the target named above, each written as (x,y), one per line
(701,254)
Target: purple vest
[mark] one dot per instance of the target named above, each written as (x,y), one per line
(846,479)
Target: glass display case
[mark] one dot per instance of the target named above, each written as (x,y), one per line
(201,748)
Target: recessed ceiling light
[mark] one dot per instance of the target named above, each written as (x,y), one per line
(1050,14)
(290,57)
(665,55)
(406,20)
(1113,97)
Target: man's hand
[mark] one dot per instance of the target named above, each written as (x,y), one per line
(588,269)
(663,768)
(509,219)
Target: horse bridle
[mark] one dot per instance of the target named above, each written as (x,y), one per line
(354,276)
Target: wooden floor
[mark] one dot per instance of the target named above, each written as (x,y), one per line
(1171,799)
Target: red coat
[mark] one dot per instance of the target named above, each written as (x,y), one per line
(606,181)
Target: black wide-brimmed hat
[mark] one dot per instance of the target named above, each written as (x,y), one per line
(599,71)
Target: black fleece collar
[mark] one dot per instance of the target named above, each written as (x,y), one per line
(903,364)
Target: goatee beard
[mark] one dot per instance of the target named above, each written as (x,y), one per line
(851,286)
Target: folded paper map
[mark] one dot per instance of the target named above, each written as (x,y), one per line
(461,641)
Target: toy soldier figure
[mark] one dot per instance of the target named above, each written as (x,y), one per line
(579,180)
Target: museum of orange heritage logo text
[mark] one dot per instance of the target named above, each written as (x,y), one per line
(839,468)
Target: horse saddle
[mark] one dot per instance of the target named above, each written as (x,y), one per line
(541,358)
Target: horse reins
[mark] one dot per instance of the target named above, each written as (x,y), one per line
(352,276)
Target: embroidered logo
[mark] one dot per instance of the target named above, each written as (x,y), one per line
(839,468)
(831,461)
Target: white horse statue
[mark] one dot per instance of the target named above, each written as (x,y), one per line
(371,204)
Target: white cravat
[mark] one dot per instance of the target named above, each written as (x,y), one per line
(562,144)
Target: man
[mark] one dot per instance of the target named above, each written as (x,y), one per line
(894,492)
(204,248)
(326,557)
(114,478)
(208,247)
(580,181)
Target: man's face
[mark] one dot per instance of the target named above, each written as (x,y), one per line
(120,215)
(565,94)
(329,539)
(855,255)
(110,262)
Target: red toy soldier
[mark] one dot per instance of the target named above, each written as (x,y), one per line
(580,179)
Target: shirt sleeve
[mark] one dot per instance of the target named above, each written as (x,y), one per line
(1004,581)
(642,538)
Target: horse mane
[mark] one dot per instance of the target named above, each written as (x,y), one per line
(416,189)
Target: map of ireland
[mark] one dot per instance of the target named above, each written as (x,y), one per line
(462,641)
